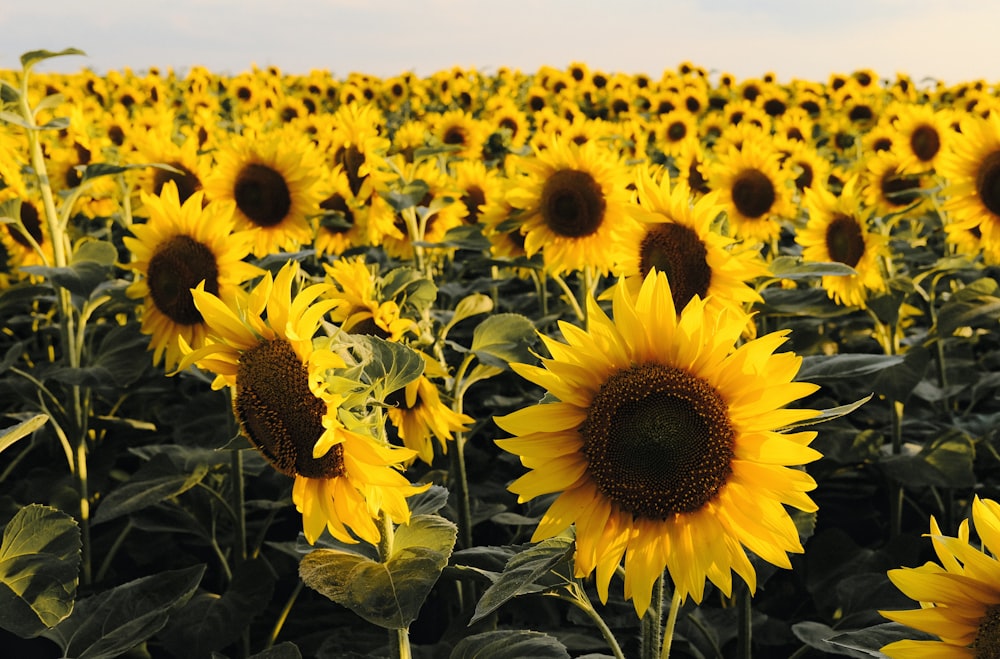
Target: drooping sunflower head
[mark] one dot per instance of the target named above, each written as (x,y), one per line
(181,246)
(662,445)
(576,207)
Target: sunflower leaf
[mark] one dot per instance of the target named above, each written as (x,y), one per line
(790,267)
(832,368)
(388,594)
(39,563)
(32,57)
(155,481)
(470,305)
(504,338)
(946,461)
(975,305)
(869,642)
(8,436)
(829,414)
(409,196)
(509,644)
(389,366)
(521,574)
(816,635)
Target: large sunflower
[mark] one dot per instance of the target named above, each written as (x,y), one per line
(678,239)
(178,247)
(343,479)
(838,231)
(754,189)
(972,168)
(272,179)
(575,206)
(960,598)
(662,445)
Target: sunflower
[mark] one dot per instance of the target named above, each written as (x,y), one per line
(344,479)
(662,445)
(679,240)
(889,189)
(960,598)
(972,169)
(479,186)
(460,130)
(417,414)
(156,146)
(754,189)
(575,206)
(923,133)
(272,179)
(838,232)
(345,221)
(359,309)
(180,246)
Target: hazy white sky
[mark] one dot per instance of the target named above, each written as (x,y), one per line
(951,41)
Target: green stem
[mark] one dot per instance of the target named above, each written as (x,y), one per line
(239,506)
(744,636)
(651,641)
(676,602)
(112,552)
(459,475)
(571,298)
(81,473)
(399,639)
(580,600)
(283,616)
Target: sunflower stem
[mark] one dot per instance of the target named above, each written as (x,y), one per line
(676,601)
(651,642)
(580,600)
(744,632)
(239,506)
(283,615)
(571,298)
(399,639)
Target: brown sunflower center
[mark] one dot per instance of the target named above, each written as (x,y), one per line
(573,203)
(186,180)
(677,251)
(805,179)
(262,195)
(753,193)
(342,219)
(352,159)
(988,182)
(844,240)
(658,441)
(31,222)
(987,643)
(455,135)
(925,142)
(677,131)
(179,265)
(278,412)
(473,198)
(900,190)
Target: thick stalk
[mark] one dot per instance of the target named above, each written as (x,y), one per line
(676,601)
(651,641)
(399,639)
(744,635)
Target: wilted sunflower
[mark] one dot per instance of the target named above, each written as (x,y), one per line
(754,189)
(960,598)
(576,207)
(418,414)
(972,168)
(838,232)
(343,479)
(662,445)
(272,179)
(178,247)
(679,240)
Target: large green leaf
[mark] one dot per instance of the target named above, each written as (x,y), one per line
(898,381)
(8,436)
(869,642)
(32,57)
(509,644)
(388,594)
(115,621)
(816,635)
(522,572)
(790,267)
(209,622)
(469,306)
(389,366)
(503,338)
(947,461)
(975,305)
(832,368)
(39,563)
(153,482)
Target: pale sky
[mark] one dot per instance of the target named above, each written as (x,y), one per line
(952,41)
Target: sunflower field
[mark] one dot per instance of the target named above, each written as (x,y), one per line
(498,365)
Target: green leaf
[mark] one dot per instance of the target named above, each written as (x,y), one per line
(522,572)
(153,482)
(389,366)
(975,305)
(409,196)
(898,381)
(832,368)
(946,461)
(39,563)
(209,622)
(816,635)
(469,306)
(504,338)
(115,621)
(509,644)
(830,413)
(887,306)
(80,278)
(428,502)
(10,435)
(790,267)
(465,236)
(32,57)
(409,288)
(387,594)
(802,302)
(869,642)
(96,251)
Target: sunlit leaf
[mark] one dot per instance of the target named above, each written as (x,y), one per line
(504,338)
(509,644)
(8,436)
(32,57)
(522,572)
(790,267)
(469,306)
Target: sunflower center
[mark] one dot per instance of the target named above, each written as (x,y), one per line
(572,203)
(31,222)
(186,180)
(262,195)
(352,159)
(753,193)
(677,131)
(278,412)
(338,204)
(988,182)
(925,142)
(455,135)
(987,643)
(900,190)
(179,265)
(473,198)
(658,440)
(844,240)
(677,251)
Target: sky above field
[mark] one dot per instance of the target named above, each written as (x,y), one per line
(950,41)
